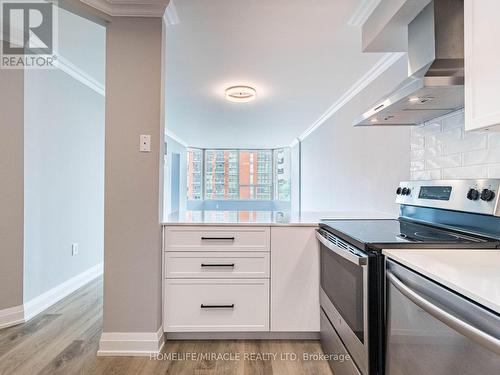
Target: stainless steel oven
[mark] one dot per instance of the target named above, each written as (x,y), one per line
(433,214)
(345,299)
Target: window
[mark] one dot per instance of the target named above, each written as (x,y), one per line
(238,174)
(194,173)
(283,174)
(256,174)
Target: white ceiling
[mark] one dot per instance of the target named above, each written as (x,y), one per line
(300,55)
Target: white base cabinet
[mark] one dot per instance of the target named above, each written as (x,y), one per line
(294,279)
(482,73)
(218,305)
(240,279)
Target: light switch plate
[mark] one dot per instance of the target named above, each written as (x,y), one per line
(145,143)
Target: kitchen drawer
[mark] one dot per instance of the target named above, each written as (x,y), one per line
(217,238)
(183,264)
(217,305)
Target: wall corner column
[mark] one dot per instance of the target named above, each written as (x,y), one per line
(11,196)
(132,240)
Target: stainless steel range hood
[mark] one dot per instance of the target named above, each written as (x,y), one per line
(435,83)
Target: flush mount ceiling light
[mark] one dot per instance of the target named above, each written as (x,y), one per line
(240,94)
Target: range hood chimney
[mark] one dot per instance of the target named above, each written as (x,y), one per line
(435,83)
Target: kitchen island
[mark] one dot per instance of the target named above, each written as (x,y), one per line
(244,274)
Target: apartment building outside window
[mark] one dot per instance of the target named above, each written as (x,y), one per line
(194,168)
(238,174)
(221,174)
(282,174)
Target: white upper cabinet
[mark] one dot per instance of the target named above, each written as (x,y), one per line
(482,64)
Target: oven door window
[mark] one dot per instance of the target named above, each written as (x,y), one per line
(342,281)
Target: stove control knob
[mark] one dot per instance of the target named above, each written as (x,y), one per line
(487,195)
(399,190)
(408,191)
(405,191)
(473,195)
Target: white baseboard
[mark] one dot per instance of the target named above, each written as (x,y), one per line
(130,343)
(11,316)
(23,313)
(54,295)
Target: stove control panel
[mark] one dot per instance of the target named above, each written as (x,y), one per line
(403,191)
(476,196)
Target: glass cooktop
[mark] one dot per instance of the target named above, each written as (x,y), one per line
(401,233)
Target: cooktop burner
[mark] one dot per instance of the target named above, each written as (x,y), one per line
(422,236)
(402,233)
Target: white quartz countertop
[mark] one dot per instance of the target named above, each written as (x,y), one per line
(265,218)
(472,273)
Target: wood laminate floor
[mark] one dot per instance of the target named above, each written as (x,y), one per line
(64,339)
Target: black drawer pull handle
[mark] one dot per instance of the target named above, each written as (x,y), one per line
(217,238)
(231,306)
(218,265)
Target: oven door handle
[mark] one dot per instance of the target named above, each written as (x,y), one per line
(464,328)
(346,254)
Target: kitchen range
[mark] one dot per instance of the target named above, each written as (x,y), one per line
(391,319)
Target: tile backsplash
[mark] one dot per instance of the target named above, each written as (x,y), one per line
(441,149)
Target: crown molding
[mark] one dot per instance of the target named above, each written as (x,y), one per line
(129,8)
(73,71)
(171,17)
(176,138)
(381,66)
(362,12)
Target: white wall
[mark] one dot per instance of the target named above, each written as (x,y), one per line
(347,168)
(64,179)
(174,147)
(441,149)
(83,43)
(64,162)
